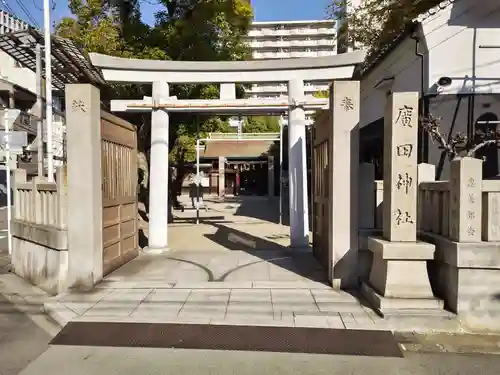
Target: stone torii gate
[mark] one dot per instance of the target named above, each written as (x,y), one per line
(227,73)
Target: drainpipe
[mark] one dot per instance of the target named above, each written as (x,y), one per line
(423,137)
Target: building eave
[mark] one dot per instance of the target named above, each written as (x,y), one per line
(434,10)
(377,58)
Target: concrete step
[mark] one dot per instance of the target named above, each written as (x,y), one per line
(403,306)
(420,313)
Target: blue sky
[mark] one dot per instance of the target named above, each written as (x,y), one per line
(265,10)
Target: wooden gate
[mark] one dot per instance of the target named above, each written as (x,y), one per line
(119,191)
(321,172)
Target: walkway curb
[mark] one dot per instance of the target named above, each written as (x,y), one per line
(458,343)
(59,313)
(29,300)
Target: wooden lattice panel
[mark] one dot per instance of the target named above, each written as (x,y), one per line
(119,191)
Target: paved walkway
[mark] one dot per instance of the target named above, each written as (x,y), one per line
(235,224)
(235,267)
(322,308)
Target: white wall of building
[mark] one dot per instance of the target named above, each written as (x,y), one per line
(399,71)
(9,68)
(14,73)
(455,39)
(451,41)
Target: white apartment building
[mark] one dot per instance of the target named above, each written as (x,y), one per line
(20,84)
(10,70)
(10,23)
(290,39)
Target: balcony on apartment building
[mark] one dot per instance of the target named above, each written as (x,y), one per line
(287,54)
(9,23)
(292,43)
(284,31)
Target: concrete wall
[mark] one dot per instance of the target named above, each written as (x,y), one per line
(39,230)
(40,256)
(468,279)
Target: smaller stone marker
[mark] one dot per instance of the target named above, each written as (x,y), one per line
(465,199)
(398,277)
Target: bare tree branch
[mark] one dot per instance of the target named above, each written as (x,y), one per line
(431,125)
(459,144)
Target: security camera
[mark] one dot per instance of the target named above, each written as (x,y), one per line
(444,81)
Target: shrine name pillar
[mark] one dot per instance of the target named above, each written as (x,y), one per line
(159,172)
(399,279)
(297,167)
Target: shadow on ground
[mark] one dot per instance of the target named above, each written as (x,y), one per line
(302,262)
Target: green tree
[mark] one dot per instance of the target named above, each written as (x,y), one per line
(184,30)
(322,95)
(261,124)
(204,30)
(375,23)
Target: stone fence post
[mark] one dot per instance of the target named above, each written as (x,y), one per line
(83,118)
(344,183)
(465,199)
(19,177)
(62,197)
(425,173)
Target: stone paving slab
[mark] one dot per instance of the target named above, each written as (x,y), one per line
(282,307)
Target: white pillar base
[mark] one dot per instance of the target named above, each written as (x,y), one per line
(155,251)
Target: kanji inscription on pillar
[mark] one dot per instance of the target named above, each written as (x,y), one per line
(465,202)
(347,104)
(400,167)
(78,106)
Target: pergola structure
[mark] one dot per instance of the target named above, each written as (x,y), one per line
(68,65)
(227,73)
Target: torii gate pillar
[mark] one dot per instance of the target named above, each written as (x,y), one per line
(297,167)
(159,173)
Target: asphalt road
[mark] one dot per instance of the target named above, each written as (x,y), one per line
(77,360)
(21,339)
